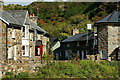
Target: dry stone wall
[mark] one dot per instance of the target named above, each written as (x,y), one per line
(23,65)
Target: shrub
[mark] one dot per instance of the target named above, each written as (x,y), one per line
(22,75)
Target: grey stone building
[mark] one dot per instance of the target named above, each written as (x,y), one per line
(109,36)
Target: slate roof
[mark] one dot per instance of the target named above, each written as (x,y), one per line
(34,26)
(79,37)
(111,18)
(8,18)
(19,15)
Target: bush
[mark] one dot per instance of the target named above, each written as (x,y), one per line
(8,75)
(22,75)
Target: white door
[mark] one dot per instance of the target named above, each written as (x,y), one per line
(38,51)
(15,52)
(10,53)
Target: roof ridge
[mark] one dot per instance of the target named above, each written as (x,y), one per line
(25,17)
(110,17)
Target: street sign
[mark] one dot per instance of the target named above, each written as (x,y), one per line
(89,26)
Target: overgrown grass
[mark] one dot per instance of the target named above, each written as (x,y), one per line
(79,69)
(76,69)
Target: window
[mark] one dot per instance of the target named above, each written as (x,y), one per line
(31,36)
(68,45)
(78,44)
(26,31)
(68,54)
(23,50)
(23,30)
(103,54)
(30,51)
(78,53)
(37,51)
(10,52)
(13,33)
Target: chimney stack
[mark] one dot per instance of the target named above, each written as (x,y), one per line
(1,4)
(75,31)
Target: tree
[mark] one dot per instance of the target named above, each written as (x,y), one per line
(63,36)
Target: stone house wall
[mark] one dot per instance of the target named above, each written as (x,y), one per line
(113,37)
(45,44)
(2,40)
(17,41)
(102,38)
(108,39)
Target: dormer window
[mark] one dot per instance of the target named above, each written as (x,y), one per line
(13,33)
(78,44)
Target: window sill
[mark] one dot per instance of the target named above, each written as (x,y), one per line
(25,56)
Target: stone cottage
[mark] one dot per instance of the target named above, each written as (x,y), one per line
(11,36)
(82,45)
(19,35)
(109,36)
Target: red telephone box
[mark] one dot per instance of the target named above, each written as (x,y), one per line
(39,49)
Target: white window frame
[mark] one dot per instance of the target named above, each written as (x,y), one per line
(27,31)
(26,50)
(103,55)
(10,52)
(30,36)
(13,33)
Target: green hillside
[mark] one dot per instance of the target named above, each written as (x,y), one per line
(60,18)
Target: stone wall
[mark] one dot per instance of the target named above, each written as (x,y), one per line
(12,42)
(113,37)
(2,40)
(23,65)
(102,37)
(109,39)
